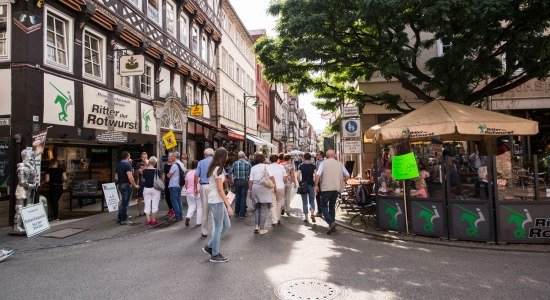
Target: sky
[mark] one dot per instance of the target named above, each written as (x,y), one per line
(254,15)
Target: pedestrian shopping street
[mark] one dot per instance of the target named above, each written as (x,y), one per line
(168,262)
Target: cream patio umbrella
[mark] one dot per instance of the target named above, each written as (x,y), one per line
(453,121)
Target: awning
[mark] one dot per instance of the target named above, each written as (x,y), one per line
(256,140)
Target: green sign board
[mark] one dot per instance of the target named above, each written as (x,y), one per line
(404,166)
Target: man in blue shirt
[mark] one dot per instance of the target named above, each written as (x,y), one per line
(241,174)
(125,180)
(202,179)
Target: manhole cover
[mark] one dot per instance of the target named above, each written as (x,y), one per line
(63,233)
(309,289)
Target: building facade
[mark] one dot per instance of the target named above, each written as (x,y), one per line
(62,63)
(236,87)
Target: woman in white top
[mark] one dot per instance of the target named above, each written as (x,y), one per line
(218,204)
(261,195)
(278,173)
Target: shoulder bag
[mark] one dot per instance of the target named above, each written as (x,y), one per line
(266,181)
(158,184)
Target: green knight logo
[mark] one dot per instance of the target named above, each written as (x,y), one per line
(520,220)
(393,211)
(473,219)
(481,128)
(429,215)
(64,102)
(405,132)
(146,118)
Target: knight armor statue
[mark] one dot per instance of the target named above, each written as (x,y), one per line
(26,187)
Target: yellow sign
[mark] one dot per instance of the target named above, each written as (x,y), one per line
(169,140)
(196,110)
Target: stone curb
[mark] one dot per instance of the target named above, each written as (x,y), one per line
(434,241)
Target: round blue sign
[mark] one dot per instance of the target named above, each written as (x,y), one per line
(351,126)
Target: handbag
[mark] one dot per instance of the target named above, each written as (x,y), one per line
(302,188)
(158,184)
(266,181)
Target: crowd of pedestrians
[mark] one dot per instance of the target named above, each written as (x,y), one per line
(265,185)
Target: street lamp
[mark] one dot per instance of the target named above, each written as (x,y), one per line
(255,104)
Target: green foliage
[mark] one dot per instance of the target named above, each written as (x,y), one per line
(326,45)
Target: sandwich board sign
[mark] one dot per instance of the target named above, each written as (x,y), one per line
(35,219)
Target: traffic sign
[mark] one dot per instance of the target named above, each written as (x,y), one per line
(351,112)
(352,147)
(351,128)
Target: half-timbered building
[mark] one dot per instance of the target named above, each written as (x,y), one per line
(60,68)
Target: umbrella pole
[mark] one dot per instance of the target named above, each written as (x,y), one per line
(405,204)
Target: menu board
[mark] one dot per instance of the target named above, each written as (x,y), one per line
(4,163)
(84,187)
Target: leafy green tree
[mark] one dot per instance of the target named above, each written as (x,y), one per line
(325,45)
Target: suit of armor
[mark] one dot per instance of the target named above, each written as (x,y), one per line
(26,186)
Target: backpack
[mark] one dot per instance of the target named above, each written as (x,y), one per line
(182,175)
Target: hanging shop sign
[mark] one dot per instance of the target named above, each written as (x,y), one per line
(35,219)
(524,223)
(5,92)
(131,65)
(111,196)
(5,122)
(148,124)
(107,111)
(351,112)
(59,105)
(352,147)
(196,110)
(169,140)
(351,128)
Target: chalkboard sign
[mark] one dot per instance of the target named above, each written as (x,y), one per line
(84,187)
(4,163)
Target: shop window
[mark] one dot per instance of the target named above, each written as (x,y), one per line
(195,39)
(122,82)
(171,18)
(146,83)
(4,31)
(58,36)
(184,29)
(154,11)
(93,55)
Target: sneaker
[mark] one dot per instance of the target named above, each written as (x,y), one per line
(219,258)
(5,253)
(332,228)
(154,222)
(313,218)
(282,212)
(148,223)
(263,231)
(187,222)
(287,215)
(207,250)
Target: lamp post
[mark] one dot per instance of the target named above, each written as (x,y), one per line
(255,104)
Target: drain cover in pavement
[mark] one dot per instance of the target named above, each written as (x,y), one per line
(63,233)
(309,289)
